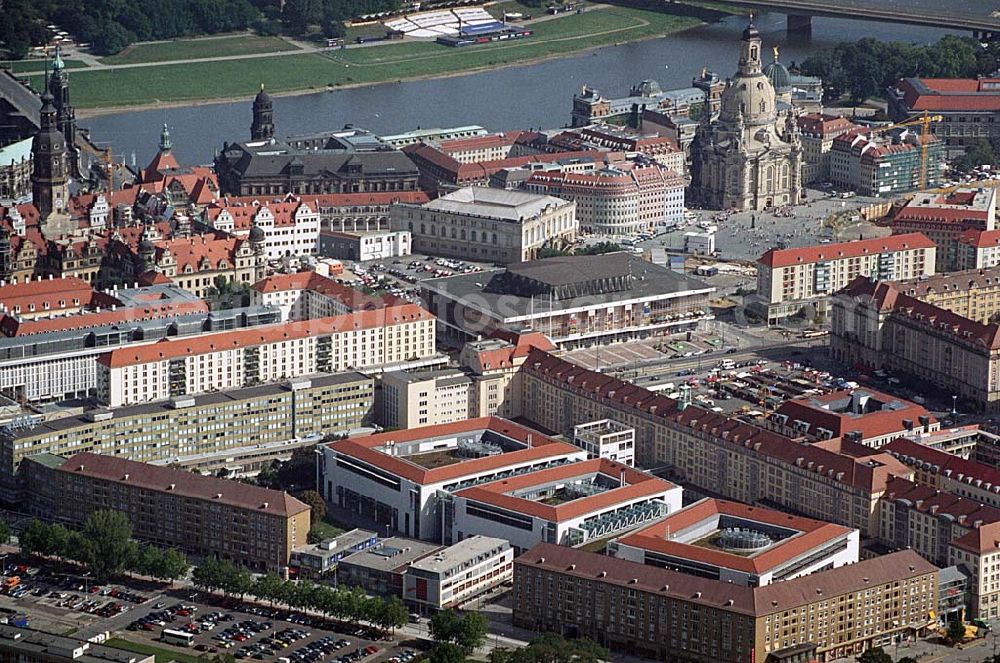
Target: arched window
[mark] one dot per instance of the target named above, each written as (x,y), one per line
(423,229)
(753,52)
(462,234)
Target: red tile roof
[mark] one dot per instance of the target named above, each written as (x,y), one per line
(980,239)
(824,125)
(201,252)
(46,295)
(887,296)
(862,247)
(637,485)
(868,473)
(926,499)
(947,465)
(812,534)
(951,94)
(243,338)
(190,485)
(364,448)
(985,539)
(11,326)
(315,282)
(771,599)
(815,411)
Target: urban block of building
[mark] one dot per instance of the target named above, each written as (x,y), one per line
(361,247)
(397,478)
(493,364)
(749,546)
(251,427)
(863,415)
(53,357)
(872,165)
(961,224)
(201,515)
(837,480)
(380,569)
(970,293)
(425,398)
(874,325)
(666,615)
(947,472)
(789,279)
(310,295)
(817,131)
(969,107)
(369,339)
(624,198)
(571,504)
(573,300)
(286,227)
(488,225)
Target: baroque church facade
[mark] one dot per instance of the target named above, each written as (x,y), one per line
(749,157)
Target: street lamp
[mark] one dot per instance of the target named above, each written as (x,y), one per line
(954,404)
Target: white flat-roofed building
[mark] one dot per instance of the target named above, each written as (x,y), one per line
(569,505)
(458,573)
(364,246)
(749,546)
(309,295)
(606,438)
(398,478)
(487,225)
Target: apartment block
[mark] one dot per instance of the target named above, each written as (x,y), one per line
(314,560)
(789,279)
(201,515)
(661,614)
(369,339)
(885,166)
(978,555)
(946,472)
(236,432)
(955,221)
(452,576)
(970,293)
(425,398)
(926,519)
(875,325)
(494,364)
(817,131)
(838,481)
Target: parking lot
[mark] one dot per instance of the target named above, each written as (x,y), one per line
(57,599)
(260,633)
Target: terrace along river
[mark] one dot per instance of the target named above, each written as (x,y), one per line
(528,96)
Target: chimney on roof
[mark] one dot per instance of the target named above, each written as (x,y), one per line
(125,478)
(264,505)
(80,469)
(621,477)
(171,486)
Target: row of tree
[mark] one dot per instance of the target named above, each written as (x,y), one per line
(111,25)
(105,546)
(866,68)
(338,602)
(456,636)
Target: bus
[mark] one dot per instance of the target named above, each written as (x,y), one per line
(179,638)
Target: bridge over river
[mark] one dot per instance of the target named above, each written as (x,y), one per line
(981,17)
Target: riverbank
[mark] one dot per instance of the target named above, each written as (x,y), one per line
(182,84)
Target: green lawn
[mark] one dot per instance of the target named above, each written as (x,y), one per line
(327,530)
(190,49)
(21,66)
(163,654)
(234,78)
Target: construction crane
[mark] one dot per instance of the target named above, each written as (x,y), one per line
(924,122)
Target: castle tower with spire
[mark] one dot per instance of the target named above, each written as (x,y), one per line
(58,87)
(262,127)
(50,174)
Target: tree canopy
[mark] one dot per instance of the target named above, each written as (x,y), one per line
(866,68)
(552,648)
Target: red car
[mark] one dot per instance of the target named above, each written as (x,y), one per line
(95,589)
